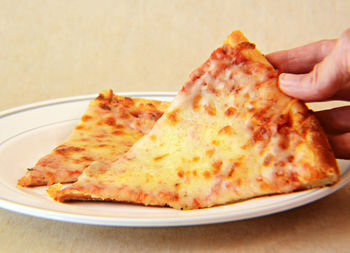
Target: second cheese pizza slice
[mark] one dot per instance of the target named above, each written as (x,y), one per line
(229,135)
(109,127)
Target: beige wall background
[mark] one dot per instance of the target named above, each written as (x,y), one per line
(52,49)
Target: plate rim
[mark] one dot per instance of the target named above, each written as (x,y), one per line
(309,196)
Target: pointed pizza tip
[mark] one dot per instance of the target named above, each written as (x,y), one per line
(236,38)
(53,189)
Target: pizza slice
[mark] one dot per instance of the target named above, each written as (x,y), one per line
(229,135)
(110,126)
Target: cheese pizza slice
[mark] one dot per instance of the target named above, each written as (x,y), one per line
(110,126)
(229,135)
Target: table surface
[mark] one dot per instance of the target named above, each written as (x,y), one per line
(51,49)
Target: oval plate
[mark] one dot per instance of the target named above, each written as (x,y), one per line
(31,131)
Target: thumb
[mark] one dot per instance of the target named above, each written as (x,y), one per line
(326,78)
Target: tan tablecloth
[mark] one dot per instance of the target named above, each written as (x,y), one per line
(59,48)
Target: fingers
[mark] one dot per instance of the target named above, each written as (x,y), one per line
(328,77)
(335,121)
(302,59)
(341,145)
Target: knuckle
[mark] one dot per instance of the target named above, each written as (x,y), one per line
(326,46)
(343,53)
(345,35)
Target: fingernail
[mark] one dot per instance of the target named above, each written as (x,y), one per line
(290,79)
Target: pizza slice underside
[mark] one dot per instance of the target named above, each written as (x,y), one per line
(229,135)
(110,126)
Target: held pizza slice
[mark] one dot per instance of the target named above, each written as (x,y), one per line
(110,126)
(229,135)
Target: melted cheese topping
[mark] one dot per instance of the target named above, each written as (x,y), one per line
(229,134)
(110,126)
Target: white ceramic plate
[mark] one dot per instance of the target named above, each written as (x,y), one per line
(29,132)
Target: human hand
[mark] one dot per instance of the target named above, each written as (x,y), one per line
(317,72)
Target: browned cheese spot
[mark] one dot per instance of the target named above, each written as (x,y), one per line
(290,158)
(279,173)
(100,97)
(280,164)
(100,136)
(127,101)
(230,111)
(104,106)
(260,134)
(118,132)
(153,137)
(232,170)
(110,121)
(212,89)
(210,109)
(215,142)
(195,103)
(195,159)
(120,126)
(207,174)
(79,127)
(283,142)
(268,159)
(169,196)
(284,122)
(217,166)
(87,158)
(151,106)
(67,149)
(157,158)
(180,173)
(124,115)
(135,114)
(210,152)
(86,118)
(226,130)
(172,116)
(196,202)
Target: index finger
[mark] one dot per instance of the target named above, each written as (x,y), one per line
(301,59)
